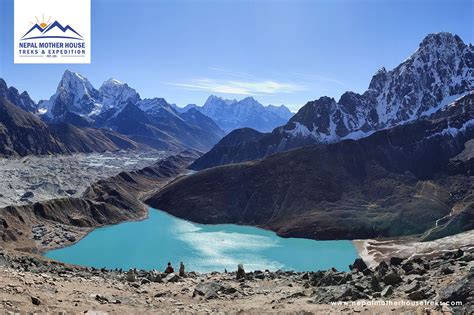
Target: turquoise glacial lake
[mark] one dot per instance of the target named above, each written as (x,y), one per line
(151,243)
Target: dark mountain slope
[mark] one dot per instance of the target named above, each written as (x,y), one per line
(137,125)
(23,133)
(395,182)
(193,130)
(91,140)
(240,144)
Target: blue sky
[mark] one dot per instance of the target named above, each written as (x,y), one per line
(280,52)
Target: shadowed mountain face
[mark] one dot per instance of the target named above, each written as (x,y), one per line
(440,71)
(22,100)
(23,133)
(239,145)
(395,182)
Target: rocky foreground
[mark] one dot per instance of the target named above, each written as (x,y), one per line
(34,284)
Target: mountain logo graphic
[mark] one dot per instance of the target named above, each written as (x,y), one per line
(45,30)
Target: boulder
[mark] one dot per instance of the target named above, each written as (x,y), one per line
(375,284)
(459,291)
(35,300)
(101,299)
(171,277)
(459,253)
(387,291)
(131,276)
(381,269)
(330,277)
(396,261)
(28,194)
(467,258)
(392,278)
(446,271)
(416,269)
(208,290)
(411,287)
(407,267)
(419,295)
(358,265)
(325,295)
(155,276)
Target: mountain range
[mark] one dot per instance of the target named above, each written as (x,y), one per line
(409,179)
(119,107)
(233,114)
(440,71)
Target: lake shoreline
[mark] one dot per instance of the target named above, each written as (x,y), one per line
(232,245)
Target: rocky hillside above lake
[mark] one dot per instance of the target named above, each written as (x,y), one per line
(440,71)
(397,181)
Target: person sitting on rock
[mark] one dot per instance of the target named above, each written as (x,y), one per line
(169,269)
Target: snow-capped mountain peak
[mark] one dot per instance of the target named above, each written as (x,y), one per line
(441,68)
(74,94)
(77,95)
(157,107)
(75,83)
(115,94)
